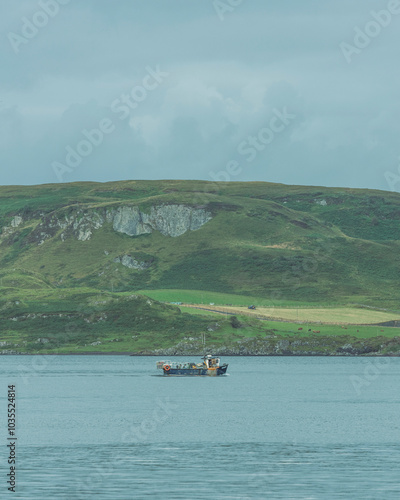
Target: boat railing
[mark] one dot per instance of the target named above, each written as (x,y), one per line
(183,366)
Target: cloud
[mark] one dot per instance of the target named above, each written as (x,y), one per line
(224,81)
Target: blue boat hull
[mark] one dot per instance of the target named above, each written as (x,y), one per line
(220,370)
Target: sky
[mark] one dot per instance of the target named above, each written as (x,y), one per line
(295,92)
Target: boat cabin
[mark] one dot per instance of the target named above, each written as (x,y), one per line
(211,361)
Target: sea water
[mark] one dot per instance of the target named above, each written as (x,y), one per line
(113,427)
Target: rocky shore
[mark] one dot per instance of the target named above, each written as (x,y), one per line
(273,345)
(278,346)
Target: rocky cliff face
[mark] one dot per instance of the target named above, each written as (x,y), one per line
(169,220)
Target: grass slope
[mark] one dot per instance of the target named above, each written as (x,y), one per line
(71,320)
(290,243)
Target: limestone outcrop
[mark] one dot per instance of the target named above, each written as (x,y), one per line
(170,220)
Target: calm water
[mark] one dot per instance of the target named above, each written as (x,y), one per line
(109,427)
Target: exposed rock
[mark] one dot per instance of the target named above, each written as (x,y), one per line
(16,221)
(174,220)
(347,348)
(128,261)
(276,346)
(84,226)
(169,220)
(128,220)
(8,230)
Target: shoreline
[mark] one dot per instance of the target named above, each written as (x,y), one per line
(293,355)
(333,346)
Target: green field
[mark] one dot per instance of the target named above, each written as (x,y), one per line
(204,297)
(222,299)
(336,316)
(292,329)
(285,310)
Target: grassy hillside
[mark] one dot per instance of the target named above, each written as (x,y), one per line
(274,242)
(84,320)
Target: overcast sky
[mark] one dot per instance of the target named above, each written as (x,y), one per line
(298,92)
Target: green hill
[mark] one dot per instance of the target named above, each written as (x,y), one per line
(276,242)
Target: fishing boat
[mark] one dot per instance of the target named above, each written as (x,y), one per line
(210,366)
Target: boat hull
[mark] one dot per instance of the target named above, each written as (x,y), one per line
(196,372)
